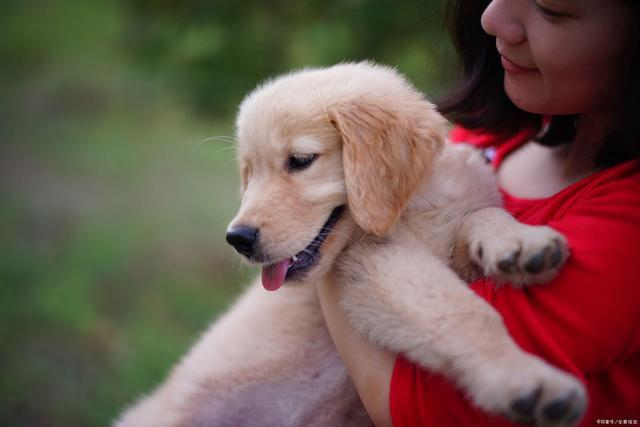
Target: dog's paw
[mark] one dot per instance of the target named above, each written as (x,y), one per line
(533,392)
(551,399)
(521,254)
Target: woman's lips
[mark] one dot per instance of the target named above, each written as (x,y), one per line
(512,67)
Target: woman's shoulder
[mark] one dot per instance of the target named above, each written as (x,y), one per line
(613,192)
(616,181)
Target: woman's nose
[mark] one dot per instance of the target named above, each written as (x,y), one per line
(502,20)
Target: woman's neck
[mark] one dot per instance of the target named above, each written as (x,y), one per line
(579,158)
(534,171)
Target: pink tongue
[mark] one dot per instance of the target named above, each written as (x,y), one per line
(273,275)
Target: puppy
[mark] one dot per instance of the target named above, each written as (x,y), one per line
(346,176)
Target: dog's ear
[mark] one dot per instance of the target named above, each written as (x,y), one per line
(388,149)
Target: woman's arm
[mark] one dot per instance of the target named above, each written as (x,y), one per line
(370,367)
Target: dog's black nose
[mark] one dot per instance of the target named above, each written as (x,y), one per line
(244,239)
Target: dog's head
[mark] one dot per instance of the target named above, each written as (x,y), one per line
(322,151)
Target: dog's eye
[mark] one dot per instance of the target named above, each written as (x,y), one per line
(299,162)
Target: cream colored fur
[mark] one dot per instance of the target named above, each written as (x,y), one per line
(421,214)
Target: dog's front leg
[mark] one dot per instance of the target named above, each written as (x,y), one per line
(405,299)
(491,243)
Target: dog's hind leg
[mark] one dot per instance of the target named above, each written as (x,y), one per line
(269,361)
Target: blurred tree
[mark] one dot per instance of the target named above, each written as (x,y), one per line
(214,51)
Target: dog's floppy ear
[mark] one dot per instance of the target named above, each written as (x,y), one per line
(388,148)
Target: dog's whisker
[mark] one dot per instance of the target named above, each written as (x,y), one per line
(229,161)
(221,138)
(196,147)
(223,150)
(306,251)
(230,141)
(238,264)
(241,267)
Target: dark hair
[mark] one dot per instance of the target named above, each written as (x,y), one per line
(480,102)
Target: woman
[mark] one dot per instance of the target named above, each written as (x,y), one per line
(551,88)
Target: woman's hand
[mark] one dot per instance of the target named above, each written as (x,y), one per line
(370,367)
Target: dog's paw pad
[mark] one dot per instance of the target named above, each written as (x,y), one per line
(548,258)
(560,412)
(526,389)
(524,407)
(509,264)
(549,404)
(557,410)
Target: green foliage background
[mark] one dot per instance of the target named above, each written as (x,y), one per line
(113,199)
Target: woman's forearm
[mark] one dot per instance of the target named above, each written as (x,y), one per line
(369,366)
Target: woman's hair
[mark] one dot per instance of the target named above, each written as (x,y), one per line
(480,102)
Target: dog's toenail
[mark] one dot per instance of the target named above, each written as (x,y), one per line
(526,405)
(557,409)
(535,264)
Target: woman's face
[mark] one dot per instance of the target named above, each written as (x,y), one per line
(562,56)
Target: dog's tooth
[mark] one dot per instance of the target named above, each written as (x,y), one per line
(294,258)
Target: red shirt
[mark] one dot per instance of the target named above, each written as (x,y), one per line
(586,321)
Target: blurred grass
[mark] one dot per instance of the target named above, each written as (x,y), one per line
(113,257)
(113,204)
(112,223)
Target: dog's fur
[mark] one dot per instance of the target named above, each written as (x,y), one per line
(420,215)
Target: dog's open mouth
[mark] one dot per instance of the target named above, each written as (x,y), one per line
(274,275)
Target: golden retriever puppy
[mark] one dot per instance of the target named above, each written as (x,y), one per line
(346,176)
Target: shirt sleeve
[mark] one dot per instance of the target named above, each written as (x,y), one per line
(586,321)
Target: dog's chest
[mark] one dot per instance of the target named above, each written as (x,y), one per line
(461,182)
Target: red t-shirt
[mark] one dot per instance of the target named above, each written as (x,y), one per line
(586,321)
